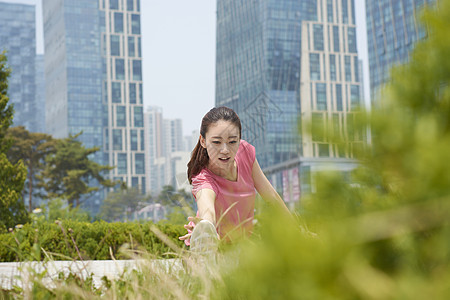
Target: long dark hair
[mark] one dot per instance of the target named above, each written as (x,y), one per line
(199,156)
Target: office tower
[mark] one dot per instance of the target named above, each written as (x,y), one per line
(40,93)
(18,39)
(166,158)
(279,64)
(393,28)
(94,82)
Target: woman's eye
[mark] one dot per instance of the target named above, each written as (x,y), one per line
(216,142)
(233,142)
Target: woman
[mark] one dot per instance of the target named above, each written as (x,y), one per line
(224,174)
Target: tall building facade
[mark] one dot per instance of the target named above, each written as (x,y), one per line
(281,64)
(18,39)
(393,28)
(166,157)
(94,82)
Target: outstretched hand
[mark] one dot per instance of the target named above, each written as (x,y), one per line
(189,227)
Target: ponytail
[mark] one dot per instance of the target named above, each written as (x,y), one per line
(199,160)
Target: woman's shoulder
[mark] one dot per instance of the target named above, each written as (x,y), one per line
(247,150)
(204,179)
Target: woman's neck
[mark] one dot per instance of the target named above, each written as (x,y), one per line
(230,174)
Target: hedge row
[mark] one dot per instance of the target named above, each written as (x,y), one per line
(81,240)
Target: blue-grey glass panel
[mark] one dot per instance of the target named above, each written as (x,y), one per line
(351,36)
(135,24)
(118,22)
(130,5)
(356,67)
(122,163)
(139,163)
(120,69)
(138,117)
(117,139)
(321,96)
(336,39)
(142,140)
(330,10)
(114,4)
(134,139)
(344,7)
(132,95)
(318,36)
(131,48)
(332,67)
(354,96)
(137,70)
(314,66)
(116,92)
(115,45)
(348,68)
(121,116)
(339,106)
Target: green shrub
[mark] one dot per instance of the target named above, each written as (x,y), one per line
(82,240)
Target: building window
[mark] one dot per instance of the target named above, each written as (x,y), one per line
(142,141)
(318,36)
(116,92)
(122,163)
(135,24)
(332,67)
(134,139)
(138,118)
(324,150)
(336,38)
(137,72)
(139,163)
(314,66)
(348,68)
(120,69)
(130,5)
(339,106)
(354,96)
(351,35)
(140,94)
(118,22)
(120,116)
(131,49)
(113,4)
(321,96)
(330,10)
(117,139)
(115,45)
(356,67)
(344,11)
(132,95)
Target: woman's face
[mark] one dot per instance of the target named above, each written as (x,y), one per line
(221,143)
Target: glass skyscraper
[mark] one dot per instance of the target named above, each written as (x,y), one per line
(392,30)
(279,64)
(18,38)
(94,82)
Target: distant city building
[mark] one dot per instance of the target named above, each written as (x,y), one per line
(166,155)
(94,82)
(393,28)
(280,64)
(18,39)
(40,93)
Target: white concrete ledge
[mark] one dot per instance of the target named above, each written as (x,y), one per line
(19,273)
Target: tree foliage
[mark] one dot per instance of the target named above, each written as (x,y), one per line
(70,173)
(12,176)
(120,205)
(32,148)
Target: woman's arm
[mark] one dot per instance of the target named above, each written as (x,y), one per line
(266,190)
(205,204)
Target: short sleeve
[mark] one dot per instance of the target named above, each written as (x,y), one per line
(249,152)
(203,180)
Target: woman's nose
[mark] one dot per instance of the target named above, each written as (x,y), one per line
(224,148)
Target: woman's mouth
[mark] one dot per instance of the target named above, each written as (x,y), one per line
(224,159)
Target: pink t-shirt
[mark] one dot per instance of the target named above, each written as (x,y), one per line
(235,200)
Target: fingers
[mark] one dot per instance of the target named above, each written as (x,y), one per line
(194,219)
(185,237)
(189,227)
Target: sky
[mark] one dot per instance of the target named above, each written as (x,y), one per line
(178,55)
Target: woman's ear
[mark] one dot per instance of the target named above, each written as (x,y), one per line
(202,141)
